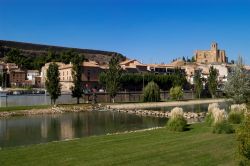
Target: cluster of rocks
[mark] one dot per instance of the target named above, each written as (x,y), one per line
(167,114)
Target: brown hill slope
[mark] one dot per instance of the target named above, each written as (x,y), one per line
(31,50)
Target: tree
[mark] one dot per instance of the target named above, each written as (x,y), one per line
(151,92)
(198,86)
(53,82)
(176,93)
(238,85)
(184,59)
(193,59)
(77,69)
(113,77)
(212,81)
(179,77)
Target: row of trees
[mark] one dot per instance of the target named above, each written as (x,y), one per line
(136,81)
(53,80)
(211,83)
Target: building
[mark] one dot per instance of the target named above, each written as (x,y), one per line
(214,55)
(17,77)
(133,66)
(90,75)
(44,72)
(223,71)
(31,74)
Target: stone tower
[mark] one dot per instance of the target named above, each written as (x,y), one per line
(214,55)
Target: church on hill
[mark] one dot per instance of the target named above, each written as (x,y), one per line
(214,55)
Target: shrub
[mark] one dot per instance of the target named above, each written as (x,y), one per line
(177,122)
(217,118)
(236,114)
(243,138)
(222,127)
(151,92)
(219,115)
(176,112)
(235,117)
(209,119)
(176,93)
(212,106)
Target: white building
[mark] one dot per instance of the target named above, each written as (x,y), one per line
(31,74)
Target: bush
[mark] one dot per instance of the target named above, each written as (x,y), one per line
(236,114)
(212,106)
(235,117)
(209,119)
(176,112)
(151,92)
(243,138)
(217,118)
(177,122)
(176,93)
(223,127)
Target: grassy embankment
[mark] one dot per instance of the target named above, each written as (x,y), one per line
(37,107)
(198,146)
(19,108)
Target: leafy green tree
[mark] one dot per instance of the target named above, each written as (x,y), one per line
(66,56)
(238,85)
(212,81)
(113,77)
(77,69)
(198,86)
(53,82)
(179,78)
(176,93)
(193,59)
(151,92)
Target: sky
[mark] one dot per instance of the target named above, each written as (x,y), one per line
(151,31)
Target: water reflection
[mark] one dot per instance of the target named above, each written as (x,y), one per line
(18,131)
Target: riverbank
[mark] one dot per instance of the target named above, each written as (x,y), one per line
(197,146)
(45,109)
(163,104)
(38,110)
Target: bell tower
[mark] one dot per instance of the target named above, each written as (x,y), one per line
(214,46)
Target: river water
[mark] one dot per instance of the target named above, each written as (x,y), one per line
(26,130)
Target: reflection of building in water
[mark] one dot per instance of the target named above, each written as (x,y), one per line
(44,128)
(67,129)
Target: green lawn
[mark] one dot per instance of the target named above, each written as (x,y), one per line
(19,108)
(197,146)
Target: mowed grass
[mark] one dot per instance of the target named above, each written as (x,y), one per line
(198,146)
(20,108)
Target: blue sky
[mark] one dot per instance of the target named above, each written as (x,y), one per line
(152,31)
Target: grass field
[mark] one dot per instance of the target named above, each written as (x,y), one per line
(198,146)
(19,108)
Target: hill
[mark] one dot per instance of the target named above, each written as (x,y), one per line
(33,50)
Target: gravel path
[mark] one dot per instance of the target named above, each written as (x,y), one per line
(164,104)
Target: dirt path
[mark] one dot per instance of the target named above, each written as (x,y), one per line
(164,104)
